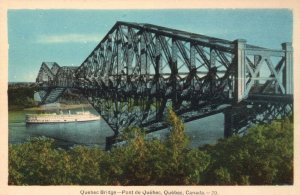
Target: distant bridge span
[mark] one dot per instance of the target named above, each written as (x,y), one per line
(138,70)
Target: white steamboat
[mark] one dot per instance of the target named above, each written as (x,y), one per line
(60,118)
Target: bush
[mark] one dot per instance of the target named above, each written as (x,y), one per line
(37,162)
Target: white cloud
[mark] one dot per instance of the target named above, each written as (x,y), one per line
(69,38)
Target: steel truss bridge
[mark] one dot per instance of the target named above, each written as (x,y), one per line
(138,71)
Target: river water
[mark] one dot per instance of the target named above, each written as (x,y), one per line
(204,131)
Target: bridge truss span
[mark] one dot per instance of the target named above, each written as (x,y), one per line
(139,70)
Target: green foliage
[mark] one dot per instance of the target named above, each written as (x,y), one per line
(178,140)
(185,166)
(84,165)
(37,162)
(263,156)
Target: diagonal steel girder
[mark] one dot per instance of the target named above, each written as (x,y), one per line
(144,70)
(258,109)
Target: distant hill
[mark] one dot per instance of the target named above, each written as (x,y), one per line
(20,95)
(12,85)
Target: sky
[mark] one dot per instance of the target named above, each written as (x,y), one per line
(69,36)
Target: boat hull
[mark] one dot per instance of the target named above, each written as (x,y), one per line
(60,118)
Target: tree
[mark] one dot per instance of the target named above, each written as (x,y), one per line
(37,162)
(262,157)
